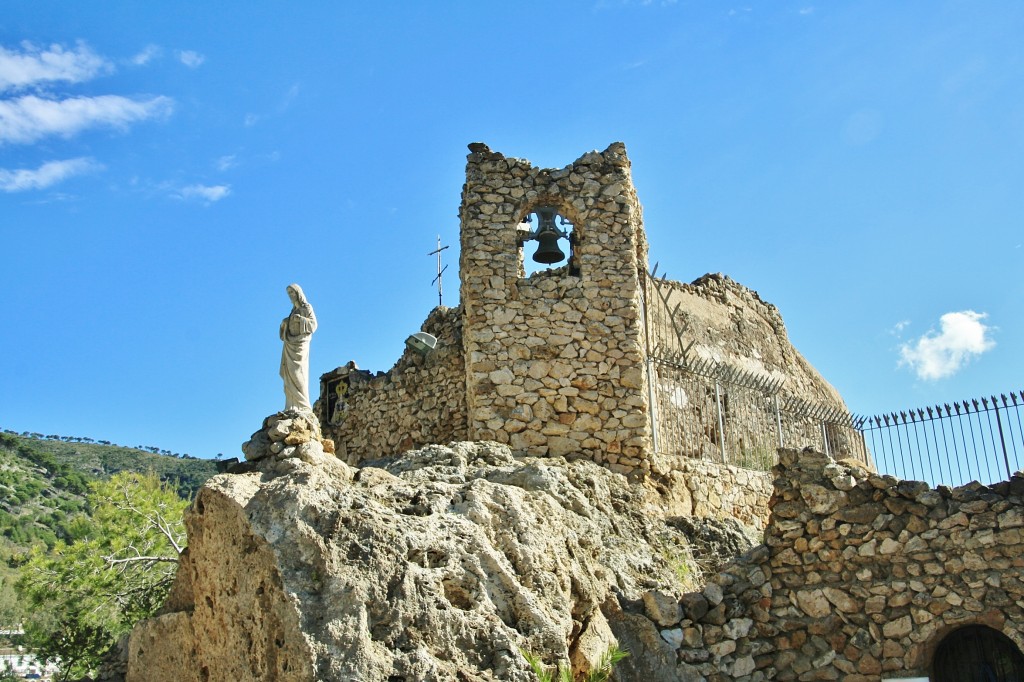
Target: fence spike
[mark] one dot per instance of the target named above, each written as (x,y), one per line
(948,410)
(984,401)
(929,412)
(654,270)
(1003,396)
(1013,397)
(975,402)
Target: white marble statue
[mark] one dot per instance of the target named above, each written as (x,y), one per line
(296,330)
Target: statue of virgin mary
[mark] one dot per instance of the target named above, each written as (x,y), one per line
(296,330)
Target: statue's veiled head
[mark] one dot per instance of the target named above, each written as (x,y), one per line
(297,296)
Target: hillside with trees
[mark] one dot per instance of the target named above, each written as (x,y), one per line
(48,498)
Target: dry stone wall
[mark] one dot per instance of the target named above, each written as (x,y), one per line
(557,363)
(860,579)
(730,323)
(707,489)
(555,360)
(421,400)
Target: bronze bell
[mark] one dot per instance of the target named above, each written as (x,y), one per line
(547,235)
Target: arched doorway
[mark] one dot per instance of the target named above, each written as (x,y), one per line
(977,653)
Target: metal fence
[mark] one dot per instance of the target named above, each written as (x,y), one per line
(973,440)
(706,409)
(711,410)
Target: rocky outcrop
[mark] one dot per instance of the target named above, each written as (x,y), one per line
(446,563)
(442,564)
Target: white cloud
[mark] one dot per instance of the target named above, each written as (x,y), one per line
(205,193)
(33,65)
(29,118)
(148,54)
(941,354)
(48,174)
(226,162)
(190,58)
(289,97)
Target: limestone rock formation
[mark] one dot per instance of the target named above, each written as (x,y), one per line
(714,542)
(441,564)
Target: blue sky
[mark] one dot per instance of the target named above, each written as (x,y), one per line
(167,169)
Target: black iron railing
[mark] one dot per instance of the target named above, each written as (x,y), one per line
(711,410)
(951,444)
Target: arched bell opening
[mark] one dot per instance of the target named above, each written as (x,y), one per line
(548,237)
(977,653)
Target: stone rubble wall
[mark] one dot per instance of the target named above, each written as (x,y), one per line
(422,400)
(555,360)
(556,363)
(704,488)
(861,578)
(732,324)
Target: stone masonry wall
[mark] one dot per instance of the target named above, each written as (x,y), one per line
(731,323)
(703,488)
(861,578)
(422,400)
(555,360)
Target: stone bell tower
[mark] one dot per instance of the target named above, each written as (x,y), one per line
(555,360)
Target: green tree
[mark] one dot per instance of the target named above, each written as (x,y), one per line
(10,609)
(83,595)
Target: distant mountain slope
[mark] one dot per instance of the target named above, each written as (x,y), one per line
(43,486)
(98,460)
(43,483)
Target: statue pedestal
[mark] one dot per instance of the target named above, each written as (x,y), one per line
(291,433)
